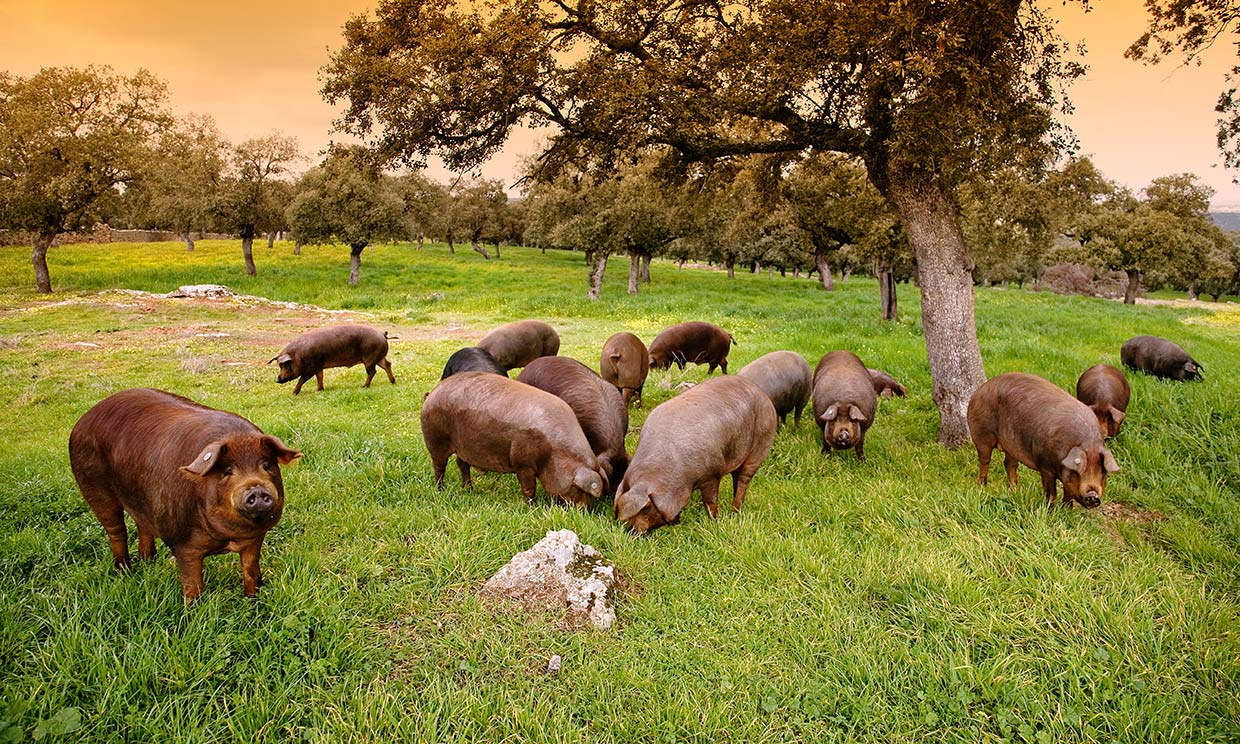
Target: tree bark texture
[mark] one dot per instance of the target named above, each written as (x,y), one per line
(481,250)
(635,270)
(731,268)
(271,240)
(1133,288)
(596,274)
(451,245)
(947,312)
(247,251)
(38,257)
(421,240)
(645,277)
(1194,293)
(189,241)
(355,262)
(497,251)
(824,270)
(887,290)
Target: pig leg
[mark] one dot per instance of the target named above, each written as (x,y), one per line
(319,377)
(796,418)
(710,496)
(740,483)
(711,369)
(983,462)
(111,515)
(1048,489)
(387,367)
(860,448)
(723,365)
(301,382)
(1009,464)
(370,374)
(466,479)
(251,574)
(528,479)
(627,395)
(190,566)
(146,541)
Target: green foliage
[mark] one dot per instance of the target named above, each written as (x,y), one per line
(346,200)
(892,600)
(249,204)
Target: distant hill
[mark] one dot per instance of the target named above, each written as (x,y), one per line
(1227,220)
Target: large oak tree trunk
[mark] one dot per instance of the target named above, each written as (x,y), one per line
(355,262)
(635,270)
(824,270)
(189,241)
(38,257)
(596,274)
(497,251)
(947,314)
(887,290)
(247,251)
(1133,288)
(645,277)
(481,250)
(731,263)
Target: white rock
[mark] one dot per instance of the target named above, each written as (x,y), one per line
(201,290)
(554,664)
(560,574)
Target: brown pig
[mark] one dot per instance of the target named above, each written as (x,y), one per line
(338,346)
(597,405)
(844,401)
(724,425)
(204,481)
(785,378)
(1159,357)
(693,342)
(1105,390)
(471,359)
(886,385)
(500,425)
(625,363)
(519,343)
(1040,426)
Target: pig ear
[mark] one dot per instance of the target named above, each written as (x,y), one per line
(1075,461)
(283,453)
(1117,416)
(829,414)
(589,481)
(1108,461)
(855,414)
(630,503)
(205,460)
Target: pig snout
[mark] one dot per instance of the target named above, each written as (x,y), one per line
(843,438)
(1090,499)
(256,502)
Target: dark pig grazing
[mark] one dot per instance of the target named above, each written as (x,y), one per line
(471,359)
(693,342)
(597,405)
(785,378)
(519,343)
(844,401)
(1042,427)
(338,346)
(1159,357)
(625,363)
(724,425)
(503,426)
(886,385)
(202,480)
(1105,390)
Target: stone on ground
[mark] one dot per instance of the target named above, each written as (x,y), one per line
(560,574)
(201,290)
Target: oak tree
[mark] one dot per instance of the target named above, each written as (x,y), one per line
(247,205)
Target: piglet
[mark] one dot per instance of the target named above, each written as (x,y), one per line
(1042,427)
(1105,390)
(503,426)
(203,481)
(338,346)
(724,425)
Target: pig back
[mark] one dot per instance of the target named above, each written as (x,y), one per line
(519,343)
(1103,384)
(1032,419)
(596,404)
(471,359)
(694,342)
(707,431)
(784,376)
(1159,357)
(339,346)
(840,377)
(625,361)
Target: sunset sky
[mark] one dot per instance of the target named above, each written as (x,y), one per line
(254,67)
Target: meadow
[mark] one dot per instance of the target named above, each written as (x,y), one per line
(891,600)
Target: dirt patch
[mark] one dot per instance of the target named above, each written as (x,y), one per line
(1115,512)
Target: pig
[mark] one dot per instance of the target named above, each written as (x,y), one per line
(202,480)
(693,342)
(886,385)
(844,401)
(785,378)
(1159,357)
(500,425)
(1105,390)
(517,344)
(597,404)
(472,359)
(625,363)
(337,346)
(1042,427)
(723,425)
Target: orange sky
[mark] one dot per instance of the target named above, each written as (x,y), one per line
(254,67)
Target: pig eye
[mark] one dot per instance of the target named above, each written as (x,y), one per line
(268,465)
(228,471)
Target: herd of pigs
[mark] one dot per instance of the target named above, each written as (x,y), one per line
(206,481)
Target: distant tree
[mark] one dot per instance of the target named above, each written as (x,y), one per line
(278,197)
(68,139)
(1191,27)
(247,206)
(1221,273)
(183,178)
(478,211)
(347,200)
(1008,225)
(425,204)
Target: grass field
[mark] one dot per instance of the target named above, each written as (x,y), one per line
(885,601)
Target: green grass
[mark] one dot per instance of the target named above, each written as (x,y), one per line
(890,600)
